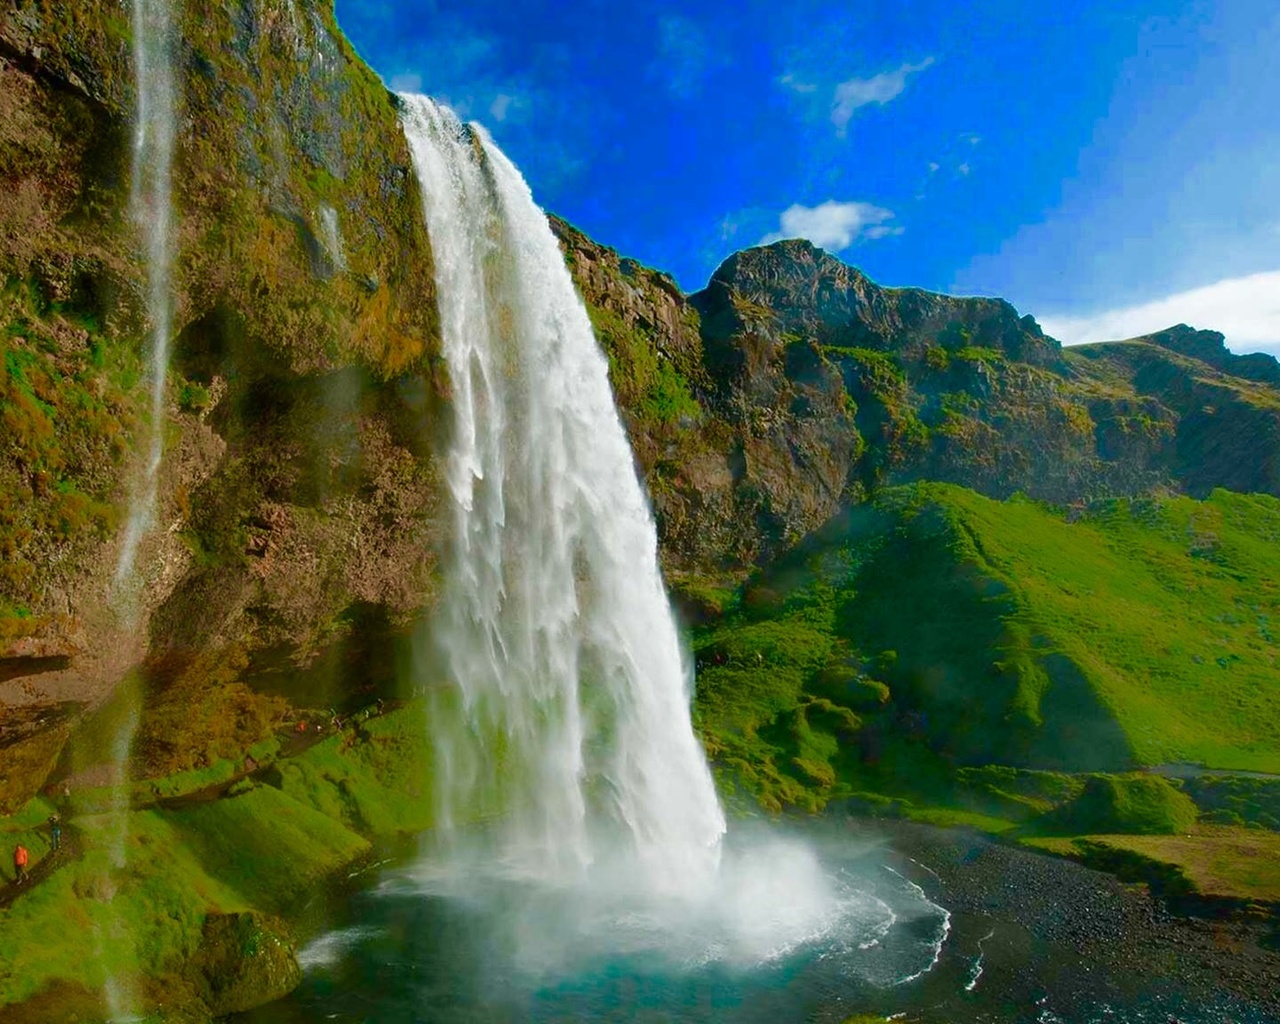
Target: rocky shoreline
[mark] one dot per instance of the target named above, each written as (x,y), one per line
(1045,925)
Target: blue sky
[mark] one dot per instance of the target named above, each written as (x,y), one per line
(1101,165)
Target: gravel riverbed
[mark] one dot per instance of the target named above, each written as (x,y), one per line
(1057,941)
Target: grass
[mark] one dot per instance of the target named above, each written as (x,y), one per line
(266,848)
(946,650)
(1210,861)
(380,785)
(1223,862)
(88,922)
(950,817)
(1233,800)
(1134,804)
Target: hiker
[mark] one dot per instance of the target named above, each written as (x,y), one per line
(20,858)
(55,831)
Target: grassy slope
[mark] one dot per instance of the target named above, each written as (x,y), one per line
(1005,665)
(1211,860)
(265,848)
(1166,607)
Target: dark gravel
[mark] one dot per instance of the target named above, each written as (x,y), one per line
(1062,942)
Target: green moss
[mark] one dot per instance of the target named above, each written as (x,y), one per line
(265,846)
(1235,800)
(193,397)
(88,922)
(1016,793)
(643,379)
(67,417)
(377,782)
(1133,804)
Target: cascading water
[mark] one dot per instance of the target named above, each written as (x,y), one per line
(556,626)
(151,209)
(565,744)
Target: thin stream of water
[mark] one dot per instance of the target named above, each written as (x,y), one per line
(151,211)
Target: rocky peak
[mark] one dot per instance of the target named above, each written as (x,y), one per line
(806,291)
(1211,347)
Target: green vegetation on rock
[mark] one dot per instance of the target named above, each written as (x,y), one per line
(932,632)
(201,873)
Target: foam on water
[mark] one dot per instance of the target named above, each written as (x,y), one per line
(329,948)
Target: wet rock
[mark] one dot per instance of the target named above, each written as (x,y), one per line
(244,960)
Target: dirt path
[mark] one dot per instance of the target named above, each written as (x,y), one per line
(292,745)
(72,849)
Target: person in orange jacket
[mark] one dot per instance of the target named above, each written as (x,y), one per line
(20,859)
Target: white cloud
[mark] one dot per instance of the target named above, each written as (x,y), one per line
(964,169)
(795,84)
(882,231)
(880,89)
(831,225)
(685,56)
(406,82)
(500,105)
(1245,309)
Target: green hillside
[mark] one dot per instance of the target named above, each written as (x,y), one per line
(934,628)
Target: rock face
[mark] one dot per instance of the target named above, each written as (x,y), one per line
(813,386)
(298,481)
(1223,410)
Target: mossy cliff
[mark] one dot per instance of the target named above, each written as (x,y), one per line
(195,925)
(297,489)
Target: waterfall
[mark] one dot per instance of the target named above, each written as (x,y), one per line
(575,800)
(151,209)
(569,729)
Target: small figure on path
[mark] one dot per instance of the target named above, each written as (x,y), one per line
(55,831)
(20,858)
